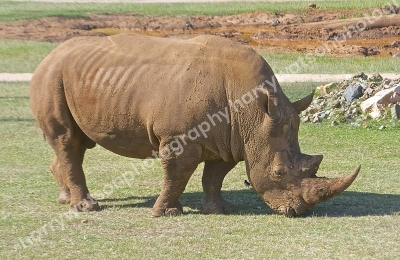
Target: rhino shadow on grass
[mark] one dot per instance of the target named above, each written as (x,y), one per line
(12,119)
(349,203)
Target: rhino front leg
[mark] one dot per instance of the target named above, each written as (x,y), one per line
(213,176)
(65,195)
(177,171)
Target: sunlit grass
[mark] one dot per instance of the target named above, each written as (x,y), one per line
(22,56)
(17,10)
(362,223)
(292,63)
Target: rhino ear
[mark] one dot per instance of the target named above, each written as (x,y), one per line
(303,103)
(265,104)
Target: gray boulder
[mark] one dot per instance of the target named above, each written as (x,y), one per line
(353,92)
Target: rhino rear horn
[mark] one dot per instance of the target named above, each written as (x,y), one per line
(266,104)
(303,103)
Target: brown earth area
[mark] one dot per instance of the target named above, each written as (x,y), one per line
(312,31)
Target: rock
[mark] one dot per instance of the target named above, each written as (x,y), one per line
(328,112)
(334,123)
(375,77)
(311,110)
(382,127)
(189,26)
(369,91)
(336,104)
(387,81)
(318,100)
(84,221)
(390,9)
(395,111)
(353,92)
(381,100)
(360,75)
(396,55)
(312,6)
(355,100)
(326,89)
(395,44)
(375,112)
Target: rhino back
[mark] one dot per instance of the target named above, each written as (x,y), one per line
(129,93)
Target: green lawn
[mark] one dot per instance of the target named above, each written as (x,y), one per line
(24,56)
(362,223)
(289,63)
(17,10)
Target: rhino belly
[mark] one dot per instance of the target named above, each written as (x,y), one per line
(131,141)
(114,122)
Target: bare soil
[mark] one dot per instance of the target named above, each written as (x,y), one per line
(314,28)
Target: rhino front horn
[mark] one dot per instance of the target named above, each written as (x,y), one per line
(316,190)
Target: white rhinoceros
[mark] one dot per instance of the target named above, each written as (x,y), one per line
(204,99)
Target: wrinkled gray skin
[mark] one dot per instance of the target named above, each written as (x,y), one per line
(135,95)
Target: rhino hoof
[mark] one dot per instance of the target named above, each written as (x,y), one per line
(220,207)
(86,205)
(175,210)
(64,198)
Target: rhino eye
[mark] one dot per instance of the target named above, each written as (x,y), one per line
(280,171)
(286,128)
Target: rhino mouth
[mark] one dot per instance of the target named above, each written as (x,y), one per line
(294,209)
(287,211)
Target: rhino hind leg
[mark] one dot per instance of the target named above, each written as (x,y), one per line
(69,144)
(177,171)
(65,194)
(213,176)
(68,171)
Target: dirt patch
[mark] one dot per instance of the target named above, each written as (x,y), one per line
(315,30)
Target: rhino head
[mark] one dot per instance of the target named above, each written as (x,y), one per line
(283,176)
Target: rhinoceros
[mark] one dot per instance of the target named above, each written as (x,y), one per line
(183,101)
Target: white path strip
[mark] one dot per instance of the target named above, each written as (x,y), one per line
(324,77)
(161,1)
(18,77)
(15,77)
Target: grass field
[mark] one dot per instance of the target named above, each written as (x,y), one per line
(24,56)
(12,10)
(362,223)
